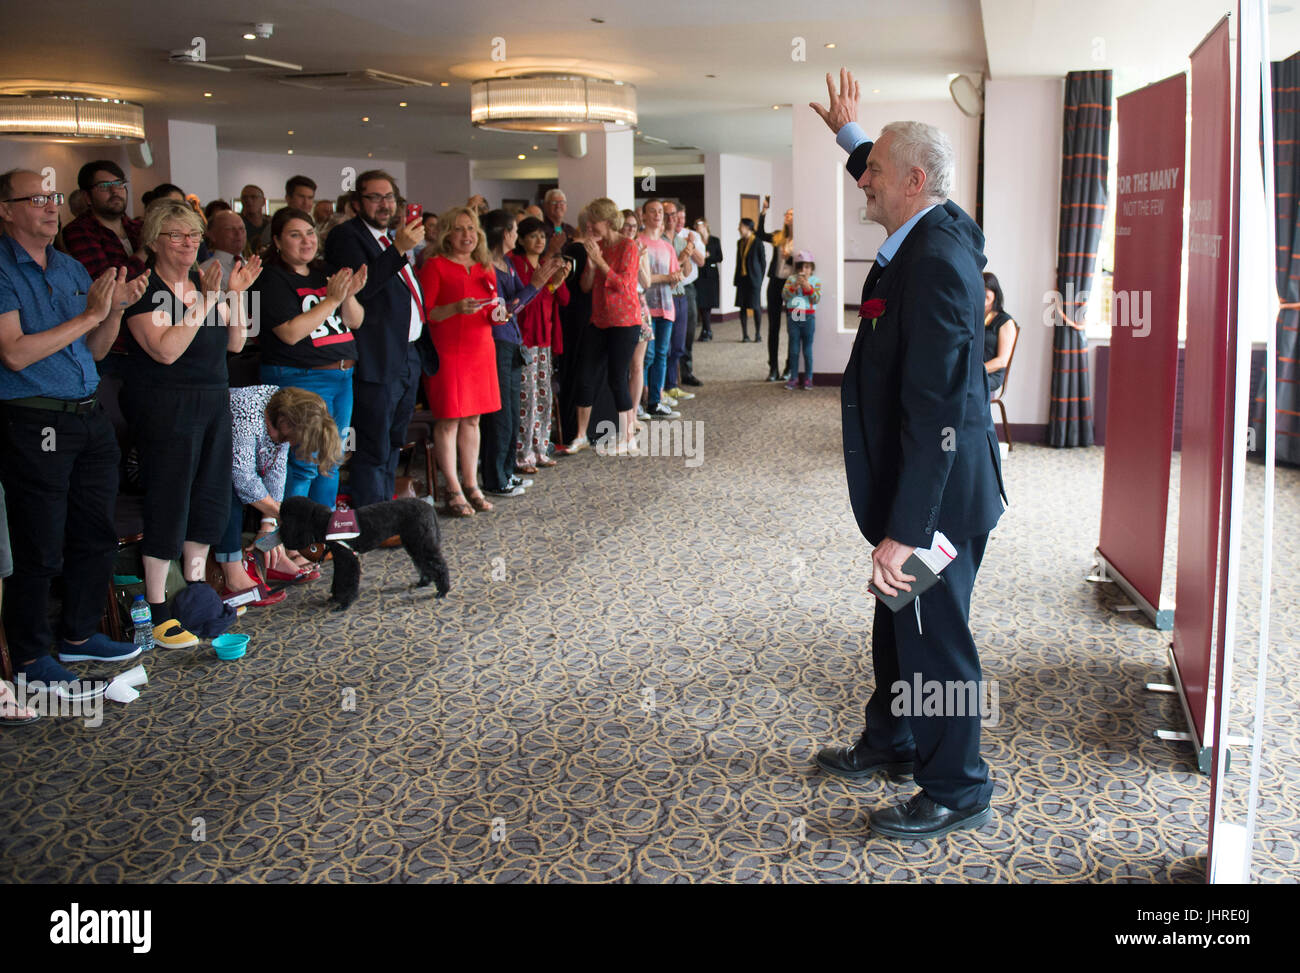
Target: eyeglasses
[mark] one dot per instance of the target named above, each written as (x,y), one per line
(179,238)
(110,185)
(40,200)
(376,198)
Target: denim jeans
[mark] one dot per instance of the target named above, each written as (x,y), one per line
(801,338)
(334,385)
(656,360)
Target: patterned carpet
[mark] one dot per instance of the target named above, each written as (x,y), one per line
(627,683)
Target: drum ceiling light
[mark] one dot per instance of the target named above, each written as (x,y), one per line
(551,103)
(61,116)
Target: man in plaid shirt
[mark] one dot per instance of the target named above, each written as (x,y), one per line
(99,238)
(104,237)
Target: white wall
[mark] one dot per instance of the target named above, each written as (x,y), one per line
(237,168)
(438,182)
(1022,196)
(193,151)
(65,160)
(726,178)
(604,171)
(495,190)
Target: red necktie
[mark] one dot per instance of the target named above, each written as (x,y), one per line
(406,277)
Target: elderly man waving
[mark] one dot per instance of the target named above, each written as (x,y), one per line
(921,457)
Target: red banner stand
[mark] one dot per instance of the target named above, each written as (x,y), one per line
(1144,342)
(1191,656)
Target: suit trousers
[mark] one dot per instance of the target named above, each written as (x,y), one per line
(692,320)
(775,307)
(381,413)
(914,655)
(677,348)
(497,430)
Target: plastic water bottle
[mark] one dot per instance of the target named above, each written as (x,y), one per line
(143,619)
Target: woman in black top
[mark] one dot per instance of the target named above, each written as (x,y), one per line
(310,312)
(999,334)
(707,286)
(175,394)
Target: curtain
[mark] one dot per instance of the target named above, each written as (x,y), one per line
(1286,174)
(1085,162)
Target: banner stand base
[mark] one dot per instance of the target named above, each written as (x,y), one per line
(1162,618)
(1204,754)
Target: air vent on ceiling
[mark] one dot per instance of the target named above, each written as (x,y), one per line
(367,80)
(230,62)
(685,148)
(448,152)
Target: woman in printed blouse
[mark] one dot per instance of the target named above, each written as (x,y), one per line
(539,326)
(268,422)
(611,277)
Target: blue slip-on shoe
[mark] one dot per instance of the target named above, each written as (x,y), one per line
(98,648)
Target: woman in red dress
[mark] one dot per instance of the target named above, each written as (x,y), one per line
(460,295)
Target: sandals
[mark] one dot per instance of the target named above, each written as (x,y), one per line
(479,502)
(457,507)
(526,468)
(544,461)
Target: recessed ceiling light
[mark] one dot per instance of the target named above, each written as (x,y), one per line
(291,151)
(207,94)
(370,155)
(832,45)
(290,131)
(521,156)
(443,84)
(776,108)
(401,104)
(875,91)
(534,148)
(250,37)
(365,118)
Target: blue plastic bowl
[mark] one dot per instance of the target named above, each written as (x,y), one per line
(230,647)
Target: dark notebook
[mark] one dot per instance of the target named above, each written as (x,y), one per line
(925,565)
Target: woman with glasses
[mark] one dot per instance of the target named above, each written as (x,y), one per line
(176,396)
(309,312)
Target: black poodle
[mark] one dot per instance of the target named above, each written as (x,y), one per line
(304,522)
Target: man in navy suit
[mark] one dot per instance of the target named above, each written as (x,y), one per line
(393,346)
(921,456)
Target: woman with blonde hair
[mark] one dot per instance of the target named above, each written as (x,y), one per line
(461,303)
(269,423)
(176,397)
(611,277)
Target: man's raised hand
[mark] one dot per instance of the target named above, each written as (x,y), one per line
(843,104)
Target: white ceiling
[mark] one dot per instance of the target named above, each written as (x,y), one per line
(905,48)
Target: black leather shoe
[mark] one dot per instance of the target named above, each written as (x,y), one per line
(861,761)
(691,380)
(772,376)
(922,818)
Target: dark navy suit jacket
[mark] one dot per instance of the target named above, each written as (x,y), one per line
(383,336)
(920,450)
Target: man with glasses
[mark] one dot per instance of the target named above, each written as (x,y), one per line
(58,454)
(393,347)
(104,237)
(256,226)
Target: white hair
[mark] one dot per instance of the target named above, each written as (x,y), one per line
(927,148)
(553,194)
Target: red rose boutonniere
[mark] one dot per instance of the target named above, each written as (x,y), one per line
(873,310)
